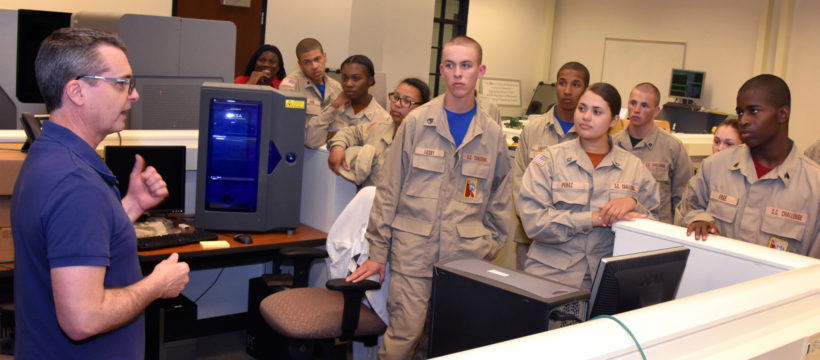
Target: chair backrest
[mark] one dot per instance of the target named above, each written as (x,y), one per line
(347,247)
(345,239)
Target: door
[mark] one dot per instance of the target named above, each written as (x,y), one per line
(249,21)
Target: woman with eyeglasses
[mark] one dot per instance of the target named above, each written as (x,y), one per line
(352,107)
(366,144)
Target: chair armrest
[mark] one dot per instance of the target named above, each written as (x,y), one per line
(362,286)
(353,293)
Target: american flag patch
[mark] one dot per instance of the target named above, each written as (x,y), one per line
(288,82)
(541,159)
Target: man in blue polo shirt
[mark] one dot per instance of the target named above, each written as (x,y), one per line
(78,288)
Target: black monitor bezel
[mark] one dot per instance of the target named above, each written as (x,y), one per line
(627,262)
(703,84)
(32,126)
(175,184)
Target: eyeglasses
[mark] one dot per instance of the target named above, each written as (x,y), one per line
(130,81)
(405,102)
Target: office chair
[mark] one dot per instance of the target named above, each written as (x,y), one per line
(259,336)
(311,316)
(307,316)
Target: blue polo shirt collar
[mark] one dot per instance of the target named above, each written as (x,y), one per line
(80,148)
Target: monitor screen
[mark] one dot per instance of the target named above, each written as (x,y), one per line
(633,281)
(33,26)
(169,162)
(233,155)
(543,98)
(686,84)
(32,126)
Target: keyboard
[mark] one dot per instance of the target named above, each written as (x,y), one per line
(175,239)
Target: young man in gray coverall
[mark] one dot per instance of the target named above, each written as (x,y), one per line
(764,191)
(662,153)
(551,128)
(444,193)
(311,81)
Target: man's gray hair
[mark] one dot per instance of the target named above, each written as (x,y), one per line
(66,54)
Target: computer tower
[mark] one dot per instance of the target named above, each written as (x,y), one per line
(261,341)
(476,303)
(170,331)
(251,146)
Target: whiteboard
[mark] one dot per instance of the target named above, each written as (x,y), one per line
(628,62)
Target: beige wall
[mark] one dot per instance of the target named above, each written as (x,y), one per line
(721,37)
(731,40)
(330,24)
(394,34)
(803,73)
(515,36)
(145,7)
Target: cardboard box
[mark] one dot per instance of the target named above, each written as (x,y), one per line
(10,163)
(5,210)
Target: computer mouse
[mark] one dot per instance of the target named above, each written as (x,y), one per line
(243,238)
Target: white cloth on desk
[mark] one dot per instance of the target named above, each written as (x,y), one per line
(347,248)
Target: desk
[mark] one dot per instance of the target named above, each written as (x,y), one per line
(263,248)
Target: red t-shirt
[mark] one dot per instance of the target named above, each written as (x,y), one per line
(596,158)
(760,169)
(244,80)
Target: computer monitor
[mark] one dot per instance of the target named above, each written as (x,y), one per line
(633,281)
(32,126)
(33,26)
(249,170)
(686,84)
(543,98)
(475,303)
(169,162)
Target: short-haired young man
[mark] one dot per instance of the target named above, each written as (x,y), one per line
(310,80)
(662,153)
(79,292)
(763,191)
(551,128)
(444,193)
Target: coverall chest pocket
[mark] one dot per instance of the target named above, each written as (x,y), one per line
(570,195)
(659,172)
(722,206)
(475,176)
(620,190)
(620,194)
(783,223)
(427,176)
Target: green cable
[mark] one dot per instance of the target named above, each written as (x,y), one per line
(7,267)
(18,150)
(643,356)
